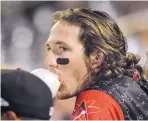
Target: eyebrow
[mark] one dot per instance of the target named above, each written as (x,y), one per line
(58,42)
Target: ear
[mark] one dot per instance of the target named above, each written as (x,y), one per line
(9,115)
(96,59)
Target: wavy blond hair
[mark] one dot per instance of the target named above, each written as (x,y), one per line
(99,32)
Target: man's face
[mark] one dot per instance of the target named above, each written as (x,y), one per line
(63,42)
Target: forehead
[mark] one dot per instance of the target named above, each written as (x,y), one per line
(64,32)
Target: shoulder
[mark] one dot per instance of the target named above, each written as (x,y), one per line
(96,105)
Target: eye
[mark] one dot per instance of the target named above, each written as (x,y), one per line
(63,48)
(48,48)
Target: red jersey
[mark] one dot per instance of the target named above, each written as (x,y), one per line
(96,105)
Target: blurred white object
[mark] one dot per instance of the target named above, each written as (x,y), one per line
(49,78)
(134,45)
(3,102)
(103,6)
(42,19)
(22,37)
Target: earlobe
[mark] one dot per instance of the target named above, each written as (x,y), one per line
(100,58)
(97,59)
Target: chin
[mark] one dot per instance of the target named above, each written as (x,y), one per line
(63,95)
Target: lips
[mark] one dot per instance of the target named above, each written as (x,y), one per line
(56,72)
(59,75)
(60,88)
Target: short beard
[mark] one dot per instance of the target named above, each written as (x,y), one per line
(88,78)
(91,75)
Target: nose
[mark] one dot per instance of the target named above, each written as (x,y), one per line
(50,60)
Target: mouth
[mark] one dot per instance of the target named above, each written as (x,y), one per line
(57,73)
(61,88)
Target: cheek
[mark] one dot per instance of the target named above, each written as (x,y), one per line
(76,74)
(71,75)
(76,70)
